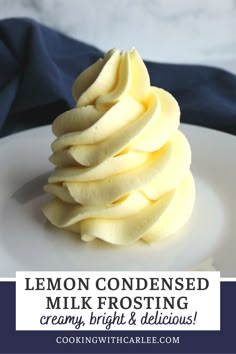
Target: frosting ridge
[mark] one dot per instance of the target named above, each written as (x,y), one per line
(122,167)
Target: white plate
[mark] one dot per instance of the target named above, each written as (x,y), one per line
(27,242)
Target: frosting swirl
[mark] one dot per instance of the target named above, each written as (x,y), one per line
(122,166)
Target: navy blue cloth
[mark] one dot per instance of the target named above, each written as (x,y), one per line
(38,66)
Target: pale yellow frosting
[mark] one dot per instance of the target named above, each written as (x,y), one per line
(122,166)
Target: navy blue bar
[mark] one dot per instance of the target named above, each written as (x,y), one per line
(223,341)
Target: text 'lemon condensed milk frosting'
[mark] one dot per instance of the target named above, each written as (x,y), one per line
(122,166)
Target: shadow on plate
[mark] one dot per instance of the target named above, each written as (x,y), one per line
(31,189)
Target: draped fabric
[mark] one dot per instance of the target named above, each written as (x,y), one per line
(38,66)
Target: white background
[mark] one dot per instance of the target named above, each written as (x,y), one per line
(31,304)
(188,31)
